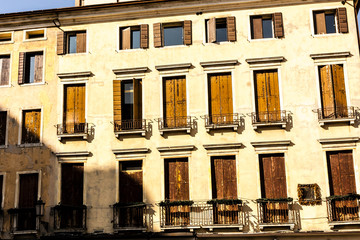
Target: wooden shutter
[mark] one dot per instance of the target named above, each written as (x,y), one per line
(31,126)
(117,100)
(131,186)
(81,42)
(211,27)
(4,70)
(273,98)
(21,73)
(38,67)
(320,25)
(339,89)
(72,180)
(61,36)
(187,32)
(80,104)
(231,29)
(278,25)
(257,30)
(144,36)
(169,103)
(3,125)
(327,91)
(126,38)
(273,176)
(214,98)
(28,190)
(1,189)
(180,108)
(74,111)
(224,178)
(158,39)
(226,103)
(342,20)
(137,83)
(261,96)
(177,176)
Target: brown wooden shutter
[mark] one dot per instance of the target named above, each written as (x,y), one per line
(1,188)
(117,100)
(137,83)
(144,36)
(28,190)
(177,176)
(339,89)
(211,27)
(180,108)
(327,92)
(81,42)
(21,72)
(261,96)
(257,31)
(61,37)
(231,29)
(31,127)
(278,25)
(158,39)
(218,178)
(226,101)
(4,70)
(320,25)
(126,38)
(273,95)
(38,67)
(214,99)
(169,113)
(80,104)
(74,107)
(3,125)
(187,32)
(131,186)
(72,182)
(342,20)
(224,178)
(273,176)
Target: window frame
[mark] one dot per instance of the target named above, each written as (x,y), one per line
(169,25)
(66,33)
(40,143)
(6,129)
(312,22)
(119,41)
(27,33)
(43,70)
(11,39)
(250,27)
(206,39)
(10,68)
(17,186)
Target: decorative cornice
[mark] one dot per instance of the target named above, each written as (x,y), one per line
(338,140)
(223,146)
(72,154)
(173,67)
(176,148)
(131,151)
(282,143)
(330,55)
(219,63)
(86,74)
(265,60)
(131,70)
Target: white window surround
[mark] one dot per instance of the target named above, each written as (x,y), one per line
(40,143)
(11,40)
(17,188)
(30,31)
(10,69)
(44,68)
(66,41)
(312,22)
(249,27)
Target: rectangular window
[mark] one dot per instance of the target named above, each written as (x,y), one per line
(74,108)
(1,190)
(5,37)
(220,29)
(333,92)
(330,21)
(127,104)
(3,126)
(4,70)
(31,121)
(267,26)
(176,179)
(175,107)
(131,182)
(35,34)
(267,96)
(28,195)
(30,67)
(134,37)
(71,42)
(172,34)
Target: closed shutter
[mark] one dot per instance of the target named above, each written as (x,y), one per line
(211,27)
(3,120)
(137,83)
(169,103)
(81,42)
(177,180)
(261,96)
(38,68)
(339,90)
(180,102)
(144,36)
(224,178)
(320,25)
(21,72)
(74,110)
(215,103)
(187,32)
(158,40)
(131,186)
(61,36)
(31,127)
(28,190)
(126,38)
(72,180)
(257,31)
(231,29)
(327,92)
(4,70)
(278,25)
(80,104)
(273,95)
(117,100)
(1,189)
(342,20)
(226,103)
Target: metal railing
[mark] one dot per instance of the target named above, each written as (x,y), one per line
(22,219)
(129,216)
(270,117)
(73,128)
(176,122)
(201,214)
(337,113)
(70,217)
(126,125)
(343,210)
(222,119)
(275,212)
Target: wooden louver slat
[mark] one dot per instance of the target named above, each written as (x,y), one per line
(187,32)
(158,39)
(61,36)
(278,25)
(144,36)
(231,29)
(342,20)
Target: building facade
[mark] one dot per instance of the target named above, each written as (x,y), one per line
(181,119)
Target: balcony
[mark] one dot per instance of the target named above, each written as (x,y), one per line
(337,115)
(270,118)
(343,210)
(220,121)
(176,124)
(23,220)
(201,214)
(130,217)
(276,213)
(74,130)
(133,126)
(70,218)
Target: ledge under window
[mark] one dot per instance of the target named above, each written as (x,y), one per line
(79,130)
(176,124)
(337,115)
(270,119)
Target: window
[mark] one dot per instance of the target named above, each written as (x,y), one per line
(171,34)
(4,70)
(35,34)
(74,109)
(31,122)
(71,42)
(3,126)
(30,67)
(134,37)
(127,104)
(333,92)
(220,30)
(176,179)
(309,194)
(5,37)
(267,26)
(330,21)
(131,182)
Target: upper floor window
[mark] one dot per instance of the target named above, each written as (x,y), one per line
(134,37)
(71,42)
(30,67)
(267,26)
(4,70)
(330,21)
(34,34)
(220,30)
(171,34)
(74,109)
(6,37)
(31,120)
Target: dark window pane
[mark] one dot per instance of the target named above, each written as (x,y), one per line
(72,44)
(221,32)
(267,28)
(131,165)
(135,39)
(330,23)
(173,36)
(128,100)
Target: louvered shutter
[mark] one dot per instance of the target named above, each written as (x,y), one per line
(187,32)
(21,72)
(327,91)
(278,25)
(38,67)
(180,111)
(169,91)
(61,37)
(339,90)
(211,27)
(226,102)
(320,24)
(144,36)
(81,42)
(231,29)
(214,99)
(4,70)
(158,39)
(131,186)
(261,96)
(273,95)
(257,31)
(342,20)
(117,101)
(126,38)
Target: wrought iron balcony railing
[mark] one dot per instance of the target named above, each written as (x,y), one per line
(232,120)
(130,216)
(270,118)
(343,210)
(274,212)
(131,126)
(74,130)
(337,114)
(176,123)
(68,217)
(23,219)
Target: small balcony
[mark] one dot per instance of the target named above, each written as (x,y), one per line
(127,217)
(23,220)
(270,118)
(133,126)
(221,121)
(74,130)
(276,213)
(70,218)
(343,210)
(337,115)
(201,214)
(176,124)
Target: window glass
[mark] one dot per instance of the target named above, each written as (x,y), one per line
(31,68)
(330,23)
(135,39)
(128,100)
(221,32)
(267,28)
(173,36)
(72,44)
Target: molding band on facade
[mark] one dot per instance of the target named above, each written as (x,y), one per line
(176,148)
(173,67)
(225,63)
(138,70)
(265,60)
(330,55)
(73,157)
(339,142)
(271,146)
(223,146)
(86,74)
(131,151)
